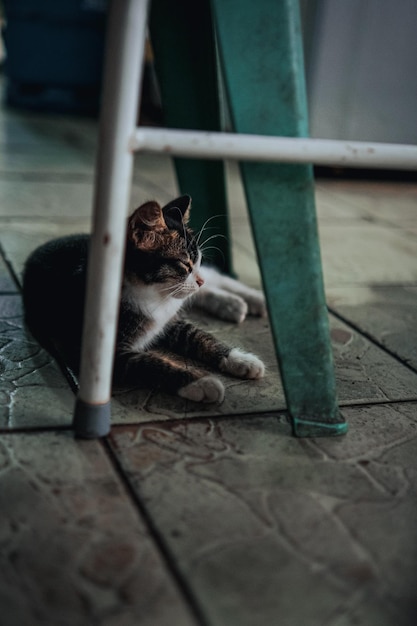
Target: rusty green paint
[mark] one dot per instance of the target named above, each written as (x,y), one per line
(260,48)
(183,42)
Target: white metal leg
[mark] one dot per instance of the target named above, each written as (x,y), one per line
(121,91)
(209,145)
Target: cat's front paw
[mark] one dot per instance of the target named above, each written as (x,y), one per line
(207,389)
(256,303)
(242,364)
(230,307)
(222,304)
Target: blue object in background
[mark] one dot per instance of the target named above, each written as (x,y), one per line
(54,54)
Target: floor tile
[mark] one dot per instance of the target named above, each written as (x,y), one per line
(70,198)
(258,520)
(388,314)
(358,242)
(235,193)
(39,143)
(45,198)
(19,237)
(384,445)
(33,391)
(244,262)
(392,203)
(74,550)
(241,397)
(366,253)
(333,207)
(7,284)
(376,431)
(46,156)
(27,128)
(36,394)
(364,373)
(156,171)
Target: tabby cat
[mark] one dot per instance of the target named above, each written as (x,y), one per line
(162,271)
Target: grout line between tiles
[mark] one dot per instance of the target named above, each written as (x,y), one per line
(370,338)
(66,372)
(277,414)
(10,268)
(157,536)
(33,430)
(379,285)
(353,404)
(56,220)
(46,176)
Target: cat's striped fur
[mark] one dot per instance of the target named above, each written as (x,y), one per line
(155,347)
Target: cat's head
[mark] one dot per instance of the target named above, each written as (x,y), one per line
(162,250)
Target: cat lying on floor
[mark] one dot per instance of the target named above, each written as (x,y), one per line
(227,298)
(162,271)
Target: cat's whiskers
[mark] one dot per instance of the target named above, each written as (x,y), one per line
(204,247)
(212,248)
(205,227)
(170,289)
(217,250)
(196,238)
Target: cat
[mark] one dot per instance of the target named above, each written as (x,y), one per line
(162,272)
(227,298)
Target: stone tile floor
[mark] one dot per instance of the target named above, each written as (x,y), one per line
(189,516)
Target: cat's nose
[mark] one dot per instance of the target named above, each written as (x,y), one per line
(199,280)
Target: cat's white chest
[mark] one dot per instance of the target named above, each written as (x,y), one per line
(158,309)
(161,312)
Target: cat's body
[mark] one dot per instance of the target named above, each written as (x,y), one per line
(162,271)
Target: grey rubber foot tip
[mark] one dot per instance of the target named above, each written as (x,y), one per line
(91,420)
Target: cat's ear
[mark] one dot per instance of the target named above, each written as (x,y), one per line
(147,216)
(145,226)
(178,209)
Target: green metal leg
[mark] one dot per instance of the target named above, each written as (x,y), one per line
(260,48)
(183,42)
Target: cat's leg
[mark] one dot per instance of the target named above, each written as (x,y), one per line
(153,368)
(228,298)
(187,340)
(207,389)
(220,303)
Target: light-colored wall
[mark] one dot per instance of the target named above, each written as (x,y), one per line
(361,64)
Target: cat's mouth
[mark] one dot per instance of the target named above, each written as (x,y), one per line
(185,290)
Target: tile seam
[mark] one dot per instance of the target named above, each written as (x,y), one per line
(168,558)
(370,338)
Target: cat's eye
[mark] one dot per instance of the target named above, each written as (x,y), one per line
(184,266)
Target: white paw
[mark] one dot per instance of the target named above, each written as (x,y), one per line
(206,389)
(256,304)
(242,365)
(223,304)
(232,308)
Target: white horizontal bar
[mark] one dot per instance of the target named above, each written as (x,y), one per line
(208,145)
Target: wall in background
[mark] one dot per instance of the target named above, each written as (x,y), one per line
(361,58)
